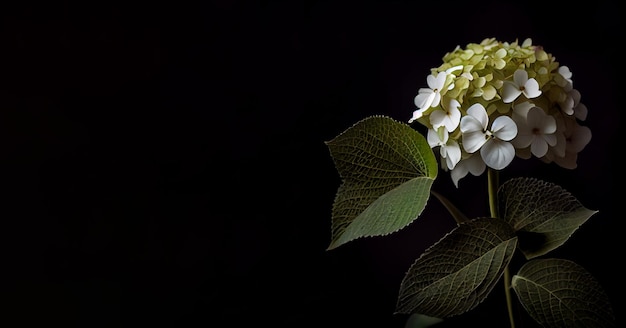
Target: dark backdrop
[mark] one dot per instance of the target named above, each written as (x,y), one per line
(163,163)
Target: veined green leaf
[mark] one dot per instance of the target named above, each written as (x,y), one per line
(561,293)
(458,272)
(544,214)
(387,170)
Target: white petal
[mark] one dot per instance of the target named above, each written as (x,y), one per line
(453,154)
(497,154)
(567,105)
(510,92)
(535,117)
(437,137)
(580,112)
(471,124)
(453,69)
(432,138)
(436,82)
(539,147)
(436,99)
(454,115)
(424,98)
(416,115)
(451,122)
(504,128)
(476,165)
(452,105)
(448,119)
(473,140)
(459,172)
(522,109)
(550,139)
(565,72)
(531,89)
(473,164)
(431,80)
(523,139)
(437,118)
(548,125)
(520,77)
(479,113)
(575,94)
(561,144)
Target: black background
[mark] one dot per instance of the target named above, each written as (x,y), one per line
(163,163)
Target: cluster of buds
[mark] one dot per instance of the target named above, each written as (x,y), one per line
(493,101)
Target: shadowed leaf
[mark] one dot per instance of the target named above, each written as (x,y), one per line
(544,214)
(458,272)
(417,320)
(560,293)
(387,170)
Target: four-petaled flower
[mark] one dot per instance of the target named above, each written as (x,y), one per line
(429,97)
(576,139)
(521,84)
(494,145)
(535,129)
(473,164)
(449,116)
(564,78)
(449,148)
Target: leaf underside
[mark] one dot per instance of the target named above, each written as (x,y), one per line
(458,272)
(561,293)
(387,169)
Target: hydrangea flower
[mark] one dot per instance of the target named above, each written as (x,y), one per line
(521,84)
(449,148)
(535,129)
(494,145)
(429,97)
(473,164)
(449,116)
(493,101)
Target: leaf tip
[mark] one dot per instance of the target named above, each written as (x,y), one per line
(334,244)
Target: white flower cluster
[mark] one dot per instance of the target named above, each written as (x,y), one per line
(495,100)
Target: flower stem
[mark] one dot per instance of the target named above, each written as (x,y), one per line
(493,184)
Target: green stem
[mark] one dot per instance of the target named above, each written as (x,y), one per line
(493,184)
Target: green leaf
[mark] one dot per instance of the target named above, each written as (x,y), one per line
(387,170)
(543,214)
(459,271)
(561,293)
(417,320)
